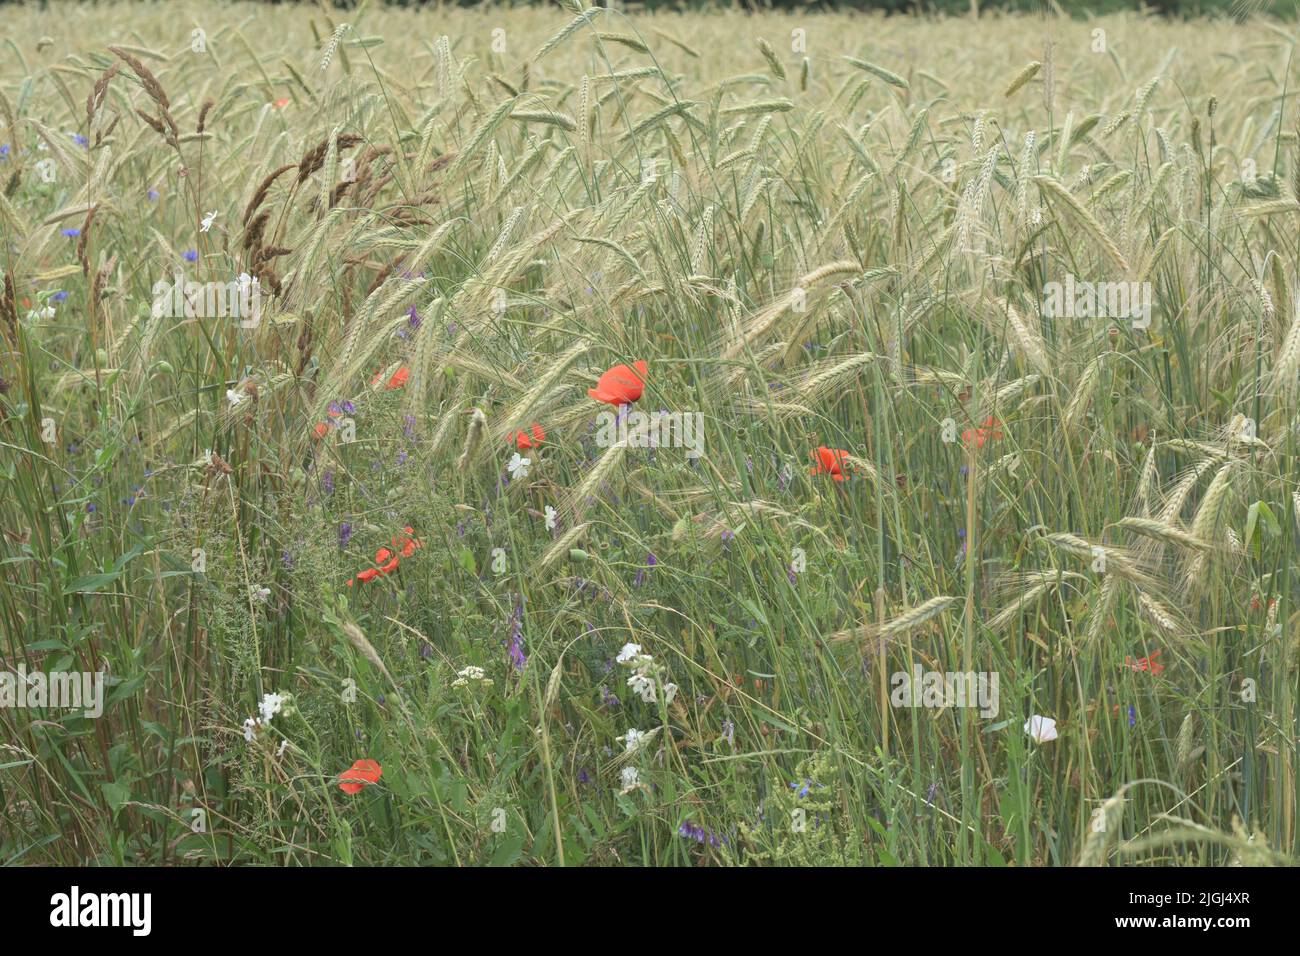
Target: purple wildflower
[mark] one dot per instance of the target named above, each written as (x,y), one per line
(693,831)
(516,650)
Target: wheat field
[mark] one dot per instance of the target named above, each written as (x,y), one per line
(976,352)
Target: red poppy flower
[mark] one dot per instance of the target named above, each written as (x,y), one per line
(397,380)
(282,103)
(386,560)
(620,385)
(321,430)
(830,461)
(360,775)
(524,441)
(992,428)
(1145,663)
(409,544)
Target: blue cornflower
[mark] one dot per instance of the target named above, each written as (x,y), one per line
(59,296)
(72,233)
(190,255)
(80,140)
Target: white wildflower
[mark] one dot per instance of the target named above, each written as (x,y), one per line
(518,466)
(270,706)
(1041,729)
(630,779)
(643,686)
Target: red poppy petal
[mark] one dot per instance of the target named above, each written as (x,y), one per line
(367,771)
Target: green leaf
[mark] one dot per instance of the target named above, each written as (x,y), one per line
(90,583)
(117,794)
(1260,510)
(509,850)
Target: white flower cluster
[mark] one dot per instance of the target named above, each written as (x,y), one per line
(647,676)
(630,779)
(270,705)
(471,673)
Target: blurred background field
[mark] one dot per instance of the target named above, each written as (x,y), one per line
(819,231)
